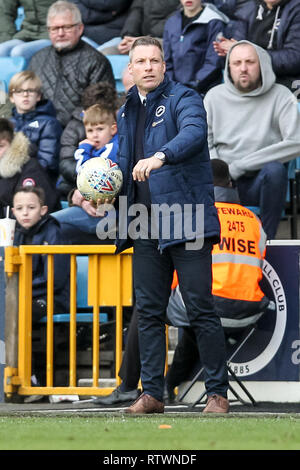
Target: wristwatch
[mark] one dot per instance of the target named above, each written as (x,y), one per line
(161,156)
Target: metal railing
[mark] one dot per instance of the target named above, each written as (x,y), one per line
(109,284)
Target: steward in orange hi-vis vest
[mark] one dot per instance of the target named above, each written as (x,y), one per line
(236,265)
(237,259)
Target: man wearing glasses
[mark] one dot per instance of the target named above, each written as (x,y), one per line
(69,65)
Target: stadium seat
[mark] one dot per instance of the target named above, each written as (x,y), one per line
(84,313)
(8,67)
(64,204)
(118,63)
(20,18)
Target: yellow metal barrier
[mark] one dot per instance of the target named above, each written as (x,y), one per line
(109,284)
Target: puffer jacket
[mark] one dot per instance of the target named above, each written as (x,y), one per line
(44,131)
(47,232)
(73,133)
(103,20)
(66,74)
(175,125)
(189,53)
(18,169)
(148,17)
(34,24)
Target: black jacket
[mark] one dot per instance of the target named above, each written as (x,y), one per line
(47,232)
(66,74)
(148,17)
(73,133)
(102,19)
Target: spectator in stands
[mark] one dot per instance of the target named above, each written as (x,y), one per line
(69,65)
(145,18)
(234,9)
(5,105)
(273,25)
(35,227)
(18,169)
(32,35)
(102,93)
(236,273)
(102,20)
(254,148)
(188,45)
(101,135)
(36,118)
(79,222)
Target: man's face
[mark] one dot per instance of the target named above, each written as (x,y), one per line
(245,68)
(26,97)
(272,3)
(64,33)
(191,7)
(147,68)
(27,209)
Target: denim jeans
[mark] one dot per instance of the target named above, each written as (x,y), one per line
(267,189)
(16,47)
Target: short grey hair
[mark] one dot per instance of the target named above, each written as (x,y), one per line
(146,41)
(62,6)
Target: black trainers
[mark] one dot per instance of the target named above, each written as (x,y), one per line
(117,396)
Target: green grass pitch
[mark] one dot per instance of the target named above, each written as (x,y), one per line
(118,432)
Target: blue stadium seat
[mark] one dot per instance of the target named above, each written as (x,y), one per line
(20,18)
(254,209)
(118,62)
(84,314)
(64,204)
(9,66)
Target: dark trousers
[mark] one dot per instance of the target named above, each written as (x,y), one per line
(185,358)
(266,189)
(130,370)
(153,274)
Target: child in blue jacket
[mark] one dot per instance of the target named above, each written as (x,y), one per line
(101,135)
(188,40)
(36,118)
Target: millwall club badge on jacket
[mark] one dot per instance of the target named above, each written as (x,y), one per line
(160,111)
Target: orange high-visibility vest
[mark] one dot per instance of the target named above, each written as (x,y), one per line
(237,259)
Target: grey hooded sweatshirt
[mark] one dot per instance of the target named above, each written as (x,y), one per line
(247,130)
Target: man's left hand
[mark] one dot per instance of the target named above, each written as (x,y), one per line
(142,169)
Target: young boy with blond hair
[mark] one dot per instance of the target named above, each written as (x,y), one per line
(101,135)
(36,118)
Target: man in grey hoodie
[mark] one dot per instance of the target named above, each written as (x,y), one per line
(254,125)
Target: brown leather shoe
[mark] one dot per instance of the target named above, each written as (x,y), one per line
(216,404)
(145,404)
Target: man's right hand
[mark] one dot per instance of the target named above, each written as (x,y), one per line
(90,208)
(125,45)
(223,45)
